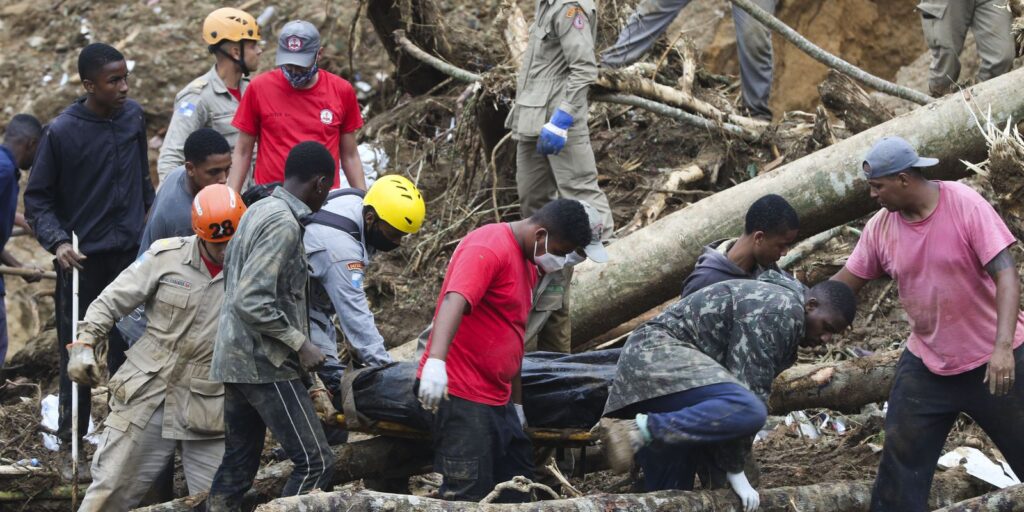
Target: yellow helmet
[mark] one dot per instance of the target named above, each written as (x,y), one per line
(230,24)
(397,202)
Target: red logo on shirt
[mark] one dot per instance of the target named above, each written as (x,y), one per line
(326,116)
(294,43)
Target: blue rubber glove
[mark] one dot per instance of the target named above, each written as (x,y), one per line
(553,134)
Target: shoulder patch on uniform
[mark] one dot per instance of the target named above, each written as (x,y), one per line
(356,265)
(357,278)
(186,108)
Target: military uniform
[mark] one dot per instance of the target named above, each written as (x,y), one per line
(161,396)
(263,324)
(743,331)
(945,24)
(558,67)
(204,103)
(338,262)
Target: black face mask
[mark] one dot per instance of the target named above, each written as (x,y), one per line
(376,238)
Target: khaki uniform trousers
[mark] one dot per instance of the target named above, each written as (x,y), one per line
(126,464)
(945,24)
(571,174)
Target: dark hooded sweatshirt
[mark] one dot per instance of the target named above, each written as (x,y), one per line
(714,266)
(91,176)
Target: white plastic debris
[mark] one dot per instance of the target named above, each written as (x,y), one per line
(375,162)
(64,79)
(804,427)
(363,86)
(131,65)
(47,78)
(50,412)
(979,466)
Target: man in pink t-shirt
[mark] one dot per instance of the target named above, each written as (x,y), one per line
(469,372)
(949,253)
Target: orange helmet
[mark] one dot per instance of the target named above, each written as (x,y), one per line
(216,212)
(230,24)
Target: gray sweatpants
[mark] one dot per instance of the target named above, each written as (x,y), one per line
(945,24)
(571,174)
(126,464)
(753,42)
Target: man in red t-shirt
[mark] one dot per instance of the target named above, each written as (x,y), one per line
(294,103)
(470,371)
(949,252)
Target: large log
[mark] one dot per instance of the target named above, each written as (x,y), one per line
(844,98)
(831,497)
(844,386)
(1010,499)
(827,188)
(379,457)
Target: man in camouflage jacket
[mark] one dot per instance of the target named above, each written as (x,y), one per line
(699,375)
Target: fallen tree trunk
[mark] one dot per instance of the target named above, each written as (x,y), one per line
(1010,499)
(827,188)
(844,98)
(425,27)
(844,386)
(379,457)
(832,497)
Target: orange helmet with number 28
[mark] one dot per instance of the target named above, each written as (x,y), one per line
(216,212)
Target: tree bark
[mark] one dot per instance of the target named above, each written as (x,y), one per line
(379,457)
(832,497)
(1010,499)
(844,386)
(827,188)
(423,22)
(844,98)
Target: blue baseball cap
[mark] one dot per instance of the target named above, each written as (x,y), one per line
(892,155)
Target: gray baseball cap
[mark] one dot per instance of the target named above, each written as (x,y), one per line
(892,155)
(297,44)
(595,249)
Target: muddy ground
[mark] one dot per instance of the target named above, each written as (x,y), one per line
(433,141)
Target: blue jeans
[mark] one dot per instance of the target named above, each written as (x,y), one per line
(922,409)
(683,424)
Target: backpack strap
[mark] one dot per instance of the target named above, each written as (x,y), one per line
(333,220)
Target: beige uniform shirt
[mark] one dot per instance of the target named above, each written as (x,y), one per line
(558,67)
(170,363)
(204,103)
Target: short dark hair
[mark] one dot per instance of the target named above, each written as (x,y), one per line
(566,220)
(835,294)
(94,57)
(204,142)
(22,128)
(771,214)
(309,160)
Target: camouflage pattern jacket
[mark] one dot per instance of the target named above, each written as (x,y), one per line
(265,317)
(742,331)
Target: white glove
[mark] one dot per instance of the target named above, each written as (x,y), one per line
(82,366)
(433,384)
(521,414)
(740,485)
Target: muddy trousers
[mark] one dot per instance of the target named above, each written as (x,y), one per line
(100,270)
(753,43)
(126,464)
(571,174)
(684,424)
(285,408)
(945,24)
(922,409)
(478,446)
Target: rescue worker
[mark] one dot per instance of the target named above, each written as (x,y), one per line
(698,376)
(340,240)
(478,342)
(161,398)
(950,254)
(770,229)
(945,24)
(753,44)
(90,177)
(233,37)
(262,349)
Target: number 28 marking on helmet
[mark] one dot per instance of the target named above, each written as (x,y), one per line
(224,229)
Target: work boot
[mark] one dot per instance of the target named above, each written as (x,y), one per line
(621,440)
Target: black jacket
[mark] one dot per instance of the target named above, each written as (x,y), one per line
(91,176)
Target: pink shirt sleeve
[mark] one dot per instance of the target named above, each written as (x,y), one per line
(470,272)
(864,262)
(986,232)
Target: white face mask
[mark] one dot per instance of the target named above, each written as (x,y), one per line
(573,258)
(547,262)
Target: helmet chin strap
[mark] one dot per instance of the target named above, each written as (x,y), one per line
(240,61)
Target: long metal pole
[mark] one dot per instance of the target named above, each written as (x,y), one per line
(74,385)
